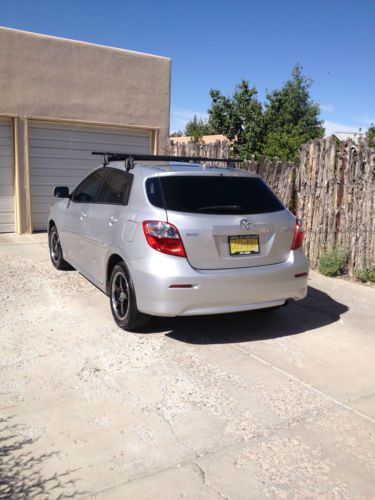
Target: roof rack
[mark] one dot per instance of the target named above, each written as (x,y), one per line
(130,158)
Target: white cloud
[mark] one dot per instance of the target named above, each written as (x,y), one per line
(180,117)
(327,108)
(334,128)
(369,121)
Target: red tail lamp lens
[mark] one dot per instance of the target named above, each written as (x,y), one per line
(164,237)
(299,233)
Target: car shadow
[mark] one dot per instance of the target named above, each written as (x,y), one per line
(318,309)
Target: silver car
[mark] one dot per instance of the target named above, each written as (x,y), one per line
(171,238)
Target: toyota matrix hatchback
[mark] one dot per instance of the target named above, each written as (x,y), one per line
(170,238)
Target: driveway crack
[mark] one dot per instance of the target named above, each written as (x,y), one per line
(202,473)
(304,384)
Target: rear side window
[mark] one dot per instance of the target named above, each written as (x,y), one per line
(213,195)
(116,187)
(154,193)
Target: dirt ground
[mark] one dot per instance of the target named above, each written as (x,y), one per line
(243,406)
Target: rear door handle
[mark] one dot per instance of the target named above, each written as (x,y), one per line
(112,220)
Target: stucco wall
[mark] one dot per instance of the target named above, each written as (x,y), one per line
(49,77)
(53,77)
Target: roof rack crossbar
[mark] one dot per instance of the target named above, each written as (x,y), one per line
(131,158)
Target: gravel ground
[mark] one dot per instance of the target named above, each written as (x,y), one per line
(252,405)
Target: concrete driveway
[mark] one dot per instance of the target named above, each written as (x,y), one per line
(253,405)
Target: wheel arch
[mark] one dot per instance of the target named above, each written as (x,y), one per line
(113,260)
(51,223)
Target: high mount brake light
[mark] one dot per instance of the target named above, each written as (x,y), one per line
(164,237)
(299,233)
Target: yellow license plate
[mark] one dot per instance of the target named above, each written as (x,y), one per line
(244,245)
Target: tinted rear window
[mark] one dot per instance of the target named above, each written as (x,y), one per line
(211,194)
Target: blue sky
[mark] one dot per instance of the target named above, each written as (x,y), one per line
(214,44)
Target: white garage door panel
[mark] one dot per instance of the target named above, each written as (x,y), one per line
(58,133)
(6,178)
(66,168)
(47,162)
(60,154)
(59,179)
(135,142)
(78,154)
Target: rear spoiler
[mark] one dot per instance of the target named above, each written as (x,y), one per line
(130,159)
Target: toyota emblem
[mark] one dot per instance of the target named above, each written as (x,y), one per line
(246,224)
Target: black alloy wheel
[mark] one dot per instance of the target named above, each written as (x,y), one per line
(123,300)
(55,250)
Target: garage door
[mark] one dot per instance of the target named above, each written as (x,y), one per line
(6,178)
(60,155)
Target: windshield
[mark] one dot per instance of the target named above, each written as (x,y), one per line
(212,194)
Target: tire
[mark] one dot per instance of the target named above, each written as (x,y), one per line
(123,301)
(55,251)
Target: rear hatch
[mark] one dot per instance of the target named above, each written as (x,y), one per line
(226,219)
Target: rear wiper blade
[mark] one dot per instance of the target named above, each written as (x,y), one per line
(221,208)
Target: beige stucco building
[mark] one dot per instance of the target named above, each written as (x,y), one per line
(61,99)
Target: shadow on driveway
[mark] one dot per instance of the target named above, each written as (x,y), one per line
(318,309)
(21,471)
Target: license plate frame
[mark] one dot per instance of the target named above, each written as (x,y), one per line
(233,240)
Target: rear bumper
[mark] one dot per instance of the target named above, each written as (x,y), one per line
(215,291)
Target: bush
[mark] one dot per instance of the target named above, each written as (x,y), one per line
(333,262)
(366,275)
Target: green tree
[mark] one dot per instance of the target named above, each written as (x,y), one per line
(197,127)
(239,118)
(371,136)
(291,118)
(178,133)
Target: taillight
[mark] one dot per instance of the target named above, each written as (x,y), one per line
(299,233)
(163,237)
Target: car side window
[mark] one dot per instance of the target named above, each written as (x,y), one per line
(116,187)
(89,189)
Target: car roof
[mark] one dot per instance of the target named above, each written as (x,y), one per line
(165,167)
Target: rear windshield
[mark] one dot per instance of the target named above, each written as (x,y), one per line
(211,194)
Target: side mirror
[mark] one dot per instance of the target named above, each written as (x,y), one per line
(61,192)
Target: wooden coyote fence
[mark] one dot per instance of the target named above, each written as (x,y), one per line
(217,149)
(335,186)
(332,189)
